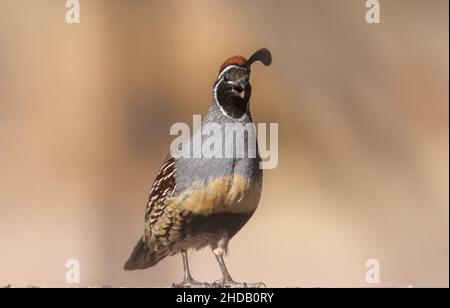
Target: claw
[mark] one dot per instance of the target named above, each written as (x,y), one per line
(234,284)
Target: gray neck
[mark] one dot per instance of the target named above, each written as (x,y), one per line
(216,115)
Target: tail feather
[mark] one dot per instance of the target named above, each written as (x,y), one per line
(141,257)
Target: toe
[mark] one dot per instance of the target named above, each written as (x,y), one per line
(256,285)
(190,284)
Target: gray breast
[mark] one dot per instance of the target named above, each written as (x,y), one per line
(227,147)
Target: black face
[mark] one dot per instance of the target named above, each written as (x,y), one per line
(233,91)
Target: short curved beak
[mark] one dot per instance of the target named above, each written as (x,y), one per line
(238,88)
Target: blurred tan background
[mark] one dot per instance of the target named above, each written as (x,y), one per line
(85,112)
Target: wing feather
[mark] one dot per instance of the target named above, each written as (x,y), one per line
(163,187)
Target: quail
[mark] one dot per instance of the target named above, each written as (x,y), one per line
(203,201)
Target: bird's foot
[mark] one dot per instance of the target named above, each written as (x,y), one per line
(228,283)
(191,283)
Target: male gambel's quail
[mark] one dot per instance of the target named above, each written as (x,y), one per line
(198,202)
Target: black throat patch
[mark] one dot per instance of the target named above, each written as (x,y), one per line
(232,104)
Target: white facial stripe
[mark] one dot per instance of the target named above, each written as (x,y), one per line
(226,70)
(215,93)
(217,102)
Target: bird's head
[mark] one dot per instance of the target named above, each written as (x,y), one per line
(232,89)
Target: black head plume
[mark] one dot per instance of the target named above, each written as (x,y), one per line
(262,55)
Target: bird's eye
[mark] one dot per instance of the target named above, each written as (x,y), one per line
(225,77)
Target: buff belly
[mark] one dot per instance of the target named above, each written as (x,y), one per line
(228,194)
(215,212)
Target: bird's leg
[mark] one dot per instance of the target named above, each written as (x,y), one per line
(187,272)
(227,281)
(188,281)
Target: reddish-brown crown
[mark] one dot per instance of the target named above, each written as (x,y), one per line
(236,60)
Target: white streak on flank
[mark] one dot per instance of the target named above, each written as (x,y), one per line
(169,175)
(167,166)
(215,93)
(174,187)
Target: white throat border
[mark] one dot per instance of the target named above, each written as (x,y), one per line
(220,77)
